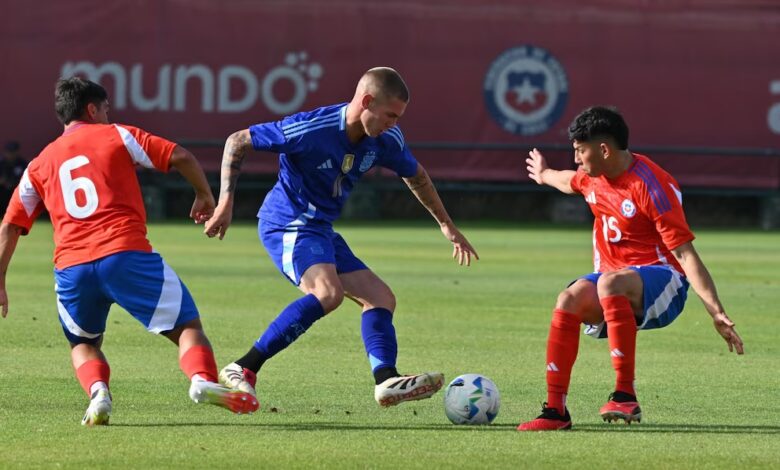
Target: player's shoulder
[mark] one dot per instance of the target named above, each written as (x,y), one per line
(392,139)
(644,168)
(126,129)
(306,122)
(648,174)
(651,179)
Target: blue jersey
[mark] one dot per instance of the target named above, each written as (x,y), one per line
(319,166)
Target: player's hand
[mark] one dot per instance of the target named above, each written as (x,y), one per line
(462,251)
(725,327)
(4,302)
(219,222)
(537,165)
(202,208)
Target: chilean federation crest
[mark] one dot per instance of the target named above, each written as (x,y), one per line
(526,90)
(627,208)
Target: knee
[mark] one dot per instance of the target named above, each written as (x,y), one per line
(330,297)
(567,301)
(381,297)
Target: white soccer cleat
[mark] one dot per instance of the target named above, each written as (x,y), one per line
(396,390)
(238,378)
(212,393)
(99,409)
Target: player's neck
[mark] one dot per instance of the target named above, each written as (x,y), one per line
(354,127)
(622,164)
(73,125)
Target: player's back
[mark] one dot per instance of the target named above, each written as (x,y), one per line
(86,179)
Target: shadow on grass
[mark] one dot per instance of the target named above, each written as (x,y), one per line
(637,428)
(680,428)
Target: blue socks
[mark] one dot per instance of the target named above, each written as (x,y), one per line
(286,328)
(379,338)
(376,327)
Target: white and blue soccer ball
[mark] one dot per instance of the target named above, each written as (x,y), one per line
(471,399)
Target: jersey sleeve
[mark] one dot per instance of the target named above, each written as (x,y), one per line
(25,205)
(662,202)
(398,157)
(146,150)
(285,136)
(577,181)
(268,137)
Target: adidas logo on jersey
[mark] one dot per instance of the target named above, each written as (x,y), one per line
(326,165)
(591,198)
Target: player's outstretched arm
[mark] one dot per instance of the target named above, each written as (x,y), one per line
(188,166)
(9,236)
(235,148)
(542,174)
(702,283)
(423,189)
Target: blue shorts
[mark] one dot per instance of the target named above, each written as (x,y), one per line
(664,292)
(137,281)
(296,247)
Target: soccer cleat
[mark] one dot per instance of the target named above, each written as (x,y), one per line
(239,378)
(396,390)
(236,401)
(99,409)
(621,406)
(549,420)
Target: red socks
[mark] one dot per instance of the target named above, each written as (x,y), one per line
(562,346)
(95,370)
(199,360)
(621,330)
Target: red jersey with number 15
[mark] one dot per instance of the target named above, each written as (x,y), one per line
(86,180)
(639,216)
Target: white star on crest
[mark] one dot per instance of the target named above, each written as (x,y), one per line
(526,92)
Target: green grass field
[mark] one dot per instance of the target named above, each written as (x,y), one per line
(703,407)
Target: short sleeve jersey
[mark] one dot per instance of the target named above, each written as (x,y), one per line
(319,166)
(87,182)
(639,217)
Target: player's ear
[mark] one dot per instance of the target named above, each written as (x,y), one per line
(366,101)
(91,111)
(604,148)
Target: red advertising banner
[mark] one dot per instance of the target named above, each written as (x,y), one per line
(685,73)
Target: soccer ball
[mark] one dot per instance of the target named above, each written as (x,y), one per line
(471,399)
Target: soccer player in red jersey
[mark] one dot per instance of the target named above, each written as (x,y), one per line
(87,182)
(643,258)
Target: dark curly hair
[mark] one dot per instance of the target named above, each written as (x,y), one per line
(599,122)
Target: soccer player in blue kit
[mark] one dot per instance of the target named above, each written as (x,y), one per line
(322,154)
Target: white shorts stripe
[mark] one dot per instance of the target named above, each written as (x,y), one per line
(665,299)
(168,307)
(288,246)
(288,241)
(69,323)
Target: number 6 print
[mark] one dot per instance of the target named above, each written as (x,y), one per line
(70,185)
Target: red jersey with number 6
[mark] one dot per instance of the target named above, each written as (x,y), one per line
(639,216)
(86,180)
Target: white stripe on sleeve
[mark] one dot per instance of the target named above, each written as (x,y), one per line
(137,153)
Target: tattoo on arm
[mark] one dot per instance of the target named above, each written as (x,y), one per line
(423,189)
(232,157)
(418,181)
